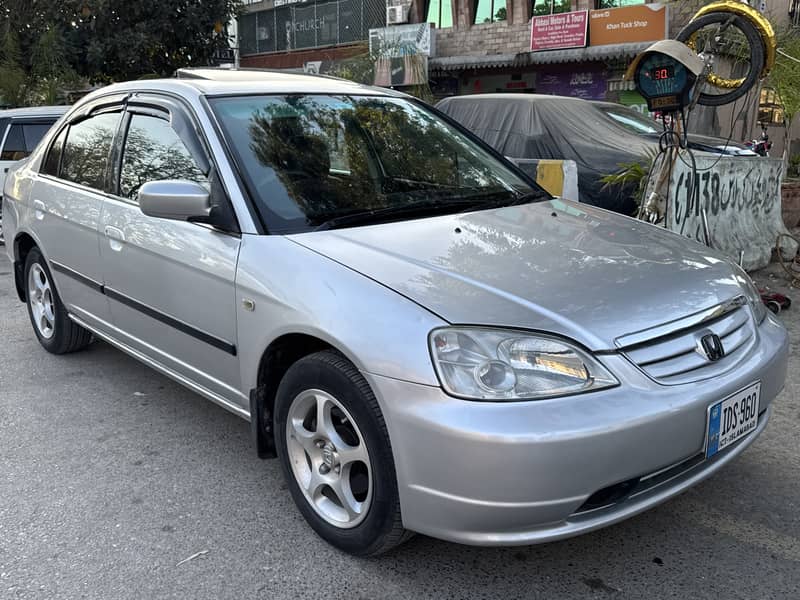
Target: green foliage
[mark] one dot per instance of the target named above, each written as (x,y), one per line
(13,79)
(47,46)
(794,166)
(632,175)
(785,76)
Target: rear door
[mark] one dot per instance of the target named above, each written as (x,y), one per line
(66,199)
(170,283)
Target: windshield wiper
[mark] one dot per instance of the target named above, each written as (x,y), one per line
(508,201)
(472,202)
(378,215)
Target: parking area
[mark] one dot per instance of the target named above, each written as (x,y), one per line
(116,482)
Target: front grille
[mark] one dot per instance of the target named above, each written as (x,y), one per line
(674,358)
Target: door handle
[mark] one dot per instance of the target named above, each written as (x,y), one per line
(115,237)
(39,209)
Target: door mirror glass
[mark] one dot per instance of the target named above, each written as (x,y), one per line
(178,200)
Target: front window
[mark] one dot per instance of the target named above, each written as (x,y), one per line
(154,152)
(323,161)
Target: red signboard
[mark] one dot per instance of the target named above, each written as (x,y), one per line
(563,30)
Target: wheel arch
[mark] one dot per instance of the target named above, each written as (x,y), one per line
(276,359)
(23,244)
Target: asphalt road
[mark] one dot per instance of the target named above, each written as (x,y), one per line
(112,476)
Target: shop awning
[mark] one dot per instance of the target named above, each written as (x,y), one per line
(522,59)
(459,63)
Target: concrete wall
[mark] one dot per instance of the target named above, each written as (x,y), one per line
(742,199)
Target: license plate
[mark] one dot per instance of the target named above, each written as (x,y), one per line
(732,419)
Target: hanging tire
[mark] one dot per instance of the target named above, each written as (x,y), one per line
(756,56)
(335,454)
(56,332)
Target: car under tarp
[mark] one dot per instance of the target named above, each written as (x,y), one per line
(535,126)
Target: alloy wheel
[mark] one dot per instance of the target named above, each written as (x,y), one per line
(40,296)
(329,458)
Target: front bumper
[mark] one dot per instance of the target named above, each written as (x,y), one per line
(521,472)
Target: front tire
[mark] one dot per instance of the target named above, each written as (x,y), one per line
(56,332)
(336,457)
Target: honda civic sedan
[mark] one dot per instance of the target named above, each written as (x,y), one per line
(424,338)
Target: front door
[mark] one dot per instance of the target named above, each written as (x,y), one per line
(170,283)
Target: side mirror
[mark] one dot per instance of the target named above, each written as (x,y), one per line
(178,200)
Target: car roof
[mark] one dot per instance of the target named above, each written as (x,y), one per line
(34,112)
(514,97)
(213,82)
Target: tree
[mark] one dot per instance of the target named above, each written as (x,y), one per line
(120,40)
(13,79)
(785,75)
(106,40)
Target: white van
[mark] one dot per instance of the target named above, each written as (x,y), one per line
(20,132)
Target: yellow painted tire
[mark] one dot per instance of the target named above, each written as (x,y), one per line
(737,87)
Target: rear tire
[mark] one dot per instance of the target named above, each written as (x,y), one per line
(56,332)
(335,454)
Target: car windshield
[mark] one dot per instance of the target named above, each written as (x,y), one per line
(318,161)
(632,120)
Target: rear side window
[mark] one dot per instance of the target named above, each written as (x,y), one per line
(86,151)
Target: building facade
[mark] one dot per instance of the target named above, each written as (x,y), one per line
(578,48)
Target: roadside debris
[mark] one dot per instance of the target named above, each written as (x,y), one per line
(192,557)
(790,265)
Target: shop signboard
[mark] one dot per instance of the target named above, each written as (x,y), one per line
(586,83)
(638,23)
(402,40)
(563,30)
(401,53)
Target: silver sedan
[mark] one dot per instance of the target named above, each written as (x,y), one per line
(426,340)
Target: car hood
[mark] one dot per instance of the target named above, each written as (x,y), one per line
(715,145)
(553,266)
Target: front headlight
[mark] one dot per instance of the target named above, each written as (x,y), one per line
(751,292)
(491,364)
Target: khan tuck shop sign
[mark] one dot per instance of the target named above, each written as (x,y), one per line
(639,23)
(564,30)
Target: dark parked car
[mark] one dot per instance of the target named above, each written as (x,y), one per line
(599,140)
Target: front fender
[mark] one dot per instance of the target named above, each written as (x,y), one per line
(293,290)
